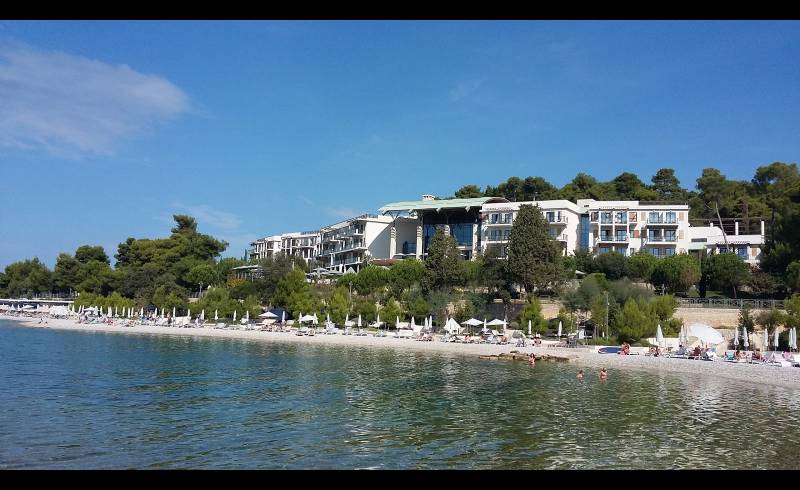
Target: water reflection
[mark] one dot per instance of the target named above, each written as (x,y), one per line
(81,400)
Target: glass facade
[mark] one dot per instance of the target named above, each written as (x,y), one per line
(584,231)
(462,232)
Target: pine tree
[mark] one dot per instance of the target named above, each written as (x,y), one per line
(534,257)
(444,265)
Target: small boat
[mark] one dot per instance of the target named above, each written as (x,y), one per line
(609,350)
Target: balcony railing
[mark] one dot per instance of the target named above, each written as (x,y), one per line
(498,238)
(557,219)
(659,239)
(499,221)
(612,238)
(661,220)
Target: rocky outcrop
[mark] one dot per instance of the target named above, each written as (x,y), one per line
(521,356)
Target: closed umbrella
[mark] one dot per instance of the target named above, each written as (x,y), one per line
(141,312)
(216,315)
(378,323)
(736,337)
(766,340)
(203,314)
(234,315)
(794,338)
(173,312)
(283,316)
(775,343)
(359,320)
(115,311)
(659,335)
(397,322)
(559,330)
(484,326)
(745,339)
(247,315)
(328,320)
(189,313)
(109,312)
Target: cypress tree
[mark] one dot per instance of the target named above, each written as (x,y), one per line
(534,257)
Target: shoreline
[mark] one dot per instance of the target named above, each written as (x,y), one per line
(763,375)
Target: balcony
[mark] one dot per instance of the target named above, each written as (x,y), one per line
(618,238)
(659,239)
(497,238)
(496,221)
(661,220)
(561,238)
(557,220)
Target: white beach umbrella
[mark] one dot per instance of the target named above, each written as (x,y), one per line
(378,322)
(141,311)
(283,316)
(745,339)
(173,312)
(203,314)
(736,337)
(559,330)
(529,328)
(794,338)
(189,313)
(359,320)
(766,340)
(109,311)
(659,335)
(704,333)
(414,324)
(115,311)
(247,315)
(234,315)
(775,340)
(216,315)
(328,319)
(397,322)
(505,323)
(484,326)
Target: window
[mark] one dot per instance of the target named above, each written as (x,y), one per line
(584,230)
(656,252)
(671,217)
(507,218)
(620,250)
(622,236)
(603,250)
(605,218)
(653,235)
(462,232)
(742,252)
(551,216)
(669,236)
(654,218)
(493,218)
(669,251)
(621,217)
(506,234)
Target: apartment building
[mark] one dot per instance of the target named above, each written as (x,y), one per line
(562,216)
(353,242)
(265,248)
(712,240)
(419,220)
(627,227)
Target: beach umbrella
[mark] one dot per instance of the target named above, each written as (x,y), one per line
(745,340)
(378,322)
(115,311)
(203,314)
(529,328)
(141,312)
(766,340)
(216,315)
(283,316)
(327,319)
(794,338)
(505,322)
(189,313)
(173,312)
(234,315)
(659,335)
(109,312)
(559,329)
(359,320)
(414,324)
(247,315)
(776,339)
(484,326)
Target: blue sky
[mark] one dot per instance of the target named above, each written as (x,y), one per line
(255,128)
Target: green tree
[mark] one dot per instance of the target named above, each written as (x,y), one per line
(792,305)
(770,319)
(534,257)
(667,185)
(633,322)
(224,268)
(612,264)
(469,191)
(339,306)
(404,275)
(568,320)
(417,306)
(390,311)
(640,266)
(725,271)
(371,279)
(26,278)
(65,273)
(202,274)
(532,312)
(792,276)
(746,319)
(443,268)
(86,253)
(676,273)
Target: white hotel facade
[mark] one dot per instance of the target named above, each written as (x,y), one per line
(404,230)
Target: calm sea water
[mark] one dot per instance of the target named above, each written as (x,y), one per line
(93,400)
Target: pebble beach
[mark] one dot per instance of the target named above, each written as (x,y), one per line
(767,375)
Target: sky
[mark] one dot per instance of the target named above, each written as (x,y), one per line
(107,129)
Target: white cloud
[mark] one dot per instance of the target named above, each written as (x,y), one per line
(465,88)
(72,106)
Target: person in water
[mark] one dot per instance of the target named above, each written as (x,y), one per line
(580,374)
(603,374)
(532,360)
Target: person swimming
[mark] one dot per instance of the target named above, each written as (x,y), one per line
(532,360)
(580,374)
(603,374)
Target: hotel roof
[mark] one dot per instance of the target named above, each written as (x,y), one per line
(437,204)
